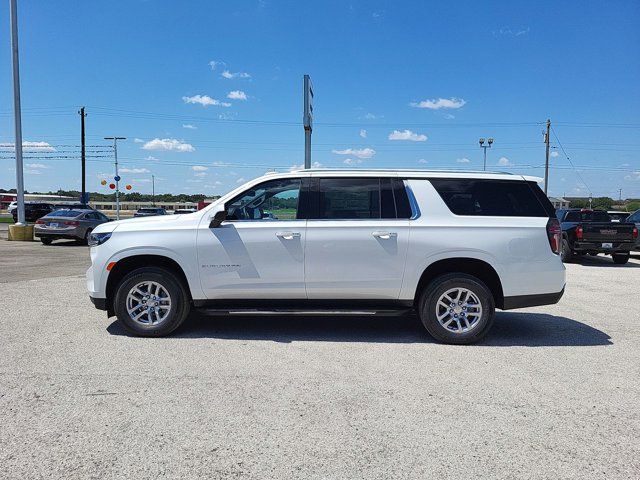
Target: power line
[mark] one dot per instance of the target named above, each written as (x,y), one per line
(570,161)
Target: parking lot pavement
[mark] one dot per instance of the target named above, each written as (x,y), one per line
(552,393)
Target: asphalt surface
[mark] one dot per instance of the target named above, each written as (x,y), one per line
(552,393)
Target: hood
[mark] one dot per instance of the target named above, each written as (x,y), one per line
(136,223)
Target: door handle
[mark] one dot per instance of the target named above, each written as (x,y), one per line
(385,235)
(288,235)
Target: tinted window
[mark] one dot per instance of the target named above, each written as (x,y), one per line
(587,216)
(403,207)
(349,198)
(64,213)
(635,217)
(503,198)
(273,200)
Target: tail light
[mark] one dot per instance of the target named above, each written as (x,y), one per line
(635,232)
(554,232)
(39,222)
(579,232)
(72,223)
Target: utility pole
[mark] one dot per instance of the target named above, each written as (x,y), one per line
(153,189)
(116,177)
(307,120)
(83,195)
(620,194)
(17,111)
(546,164)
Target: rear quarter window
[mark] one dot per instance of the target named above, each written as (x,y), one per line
(500,198)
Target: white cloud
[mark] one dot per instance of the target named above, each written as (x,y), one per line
(205,101)
(37,165)
(511,32)
(463,160)
(134,170)
(407,135)
(363,133)
(352,161)
(237,95)
(199,168)
(554,154)
(633,176)
(138,140)
(151,158)
(200,174)
(189,126)
(214,64)
(142,180)
(30,146)
(229,75)
(240,180)
(504,162)
(422,160)
(168,144)
(371,116)
(356,152)
(33,171)
(449,116)
(437,104)
(301,167)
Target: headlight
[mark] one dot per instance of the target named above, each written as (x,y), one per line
(96,239)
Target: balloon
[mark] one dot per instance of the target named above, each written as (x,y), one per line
(128,187)
(103,182)
(112,186)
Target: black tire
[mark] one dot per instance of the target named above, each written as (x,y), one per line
(620,258)
(85,240)
(427,306)
(180,302)
(46,240)
(567,253)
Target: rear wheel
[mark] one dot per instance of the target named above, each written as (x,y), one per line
(620,258)
(151,302)
(457,308)
(85,240)
(46,240)
(567,253)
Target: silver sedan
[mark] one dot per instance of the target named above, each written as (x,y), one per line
(70,224)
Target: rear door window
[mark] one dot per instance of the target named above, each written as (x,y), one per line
(501,198)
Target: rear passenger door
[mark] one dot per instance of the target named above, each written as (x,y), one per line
(357,237)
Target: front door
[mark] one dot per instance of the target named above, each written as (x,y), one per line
(258,252)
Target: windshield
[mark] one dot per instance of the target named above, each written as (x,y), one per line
(149,210)
(64,213)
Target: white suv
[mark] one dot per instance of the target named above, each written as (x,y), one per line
(452,246)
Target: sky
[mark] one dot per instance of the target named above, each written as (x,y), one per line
(209,94)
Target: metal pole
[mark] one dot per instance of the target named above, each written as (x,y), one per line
(83,198)
(546,164)
(13,9)
(153,190)
(485,159)
(307,148)
(116,177)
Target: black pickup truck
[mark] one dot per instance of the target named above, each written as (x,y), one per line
(593,232)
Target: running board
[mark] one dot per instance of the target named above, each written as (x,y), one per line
(309,312)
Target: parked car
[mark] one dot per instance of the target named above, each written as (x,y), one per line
(69,224)
(72,206)
(33,211)
(617,215)
(182,211)
(150,212)
(592,231)
(12,206)
(635,218)
(451,246)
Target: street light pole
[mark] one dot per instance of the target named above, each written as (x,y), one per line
(13,8)
(116,177)
(484,147)
(153,189)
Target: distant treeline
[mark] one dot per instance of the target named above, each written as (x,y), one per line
(605,203)
(129,197)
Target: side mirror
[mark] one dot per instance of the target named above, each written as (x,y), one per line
(219,217)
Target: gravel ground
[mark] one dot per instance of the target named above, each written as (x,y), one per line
(552,393)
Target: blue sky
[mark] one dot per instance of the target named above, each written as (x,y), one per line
(397,84)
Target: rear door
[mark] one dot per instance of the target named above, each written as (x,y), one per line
(357,237)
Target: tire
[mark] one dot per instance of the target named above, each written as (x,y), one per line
(429,307)
(567,253)
(46,240)
(177,312)
(85,240)
(620,258)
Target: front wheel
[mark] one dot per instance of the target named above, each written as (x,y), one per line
(46,240)
(620,258)
(457,308)
(151,302)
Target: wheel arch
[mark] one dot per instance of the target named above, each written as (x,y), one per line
(471,266)
(128,264)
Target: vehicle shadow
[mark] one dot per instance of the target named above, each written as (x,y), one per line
(66,243)
(510,329)
(602,261)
